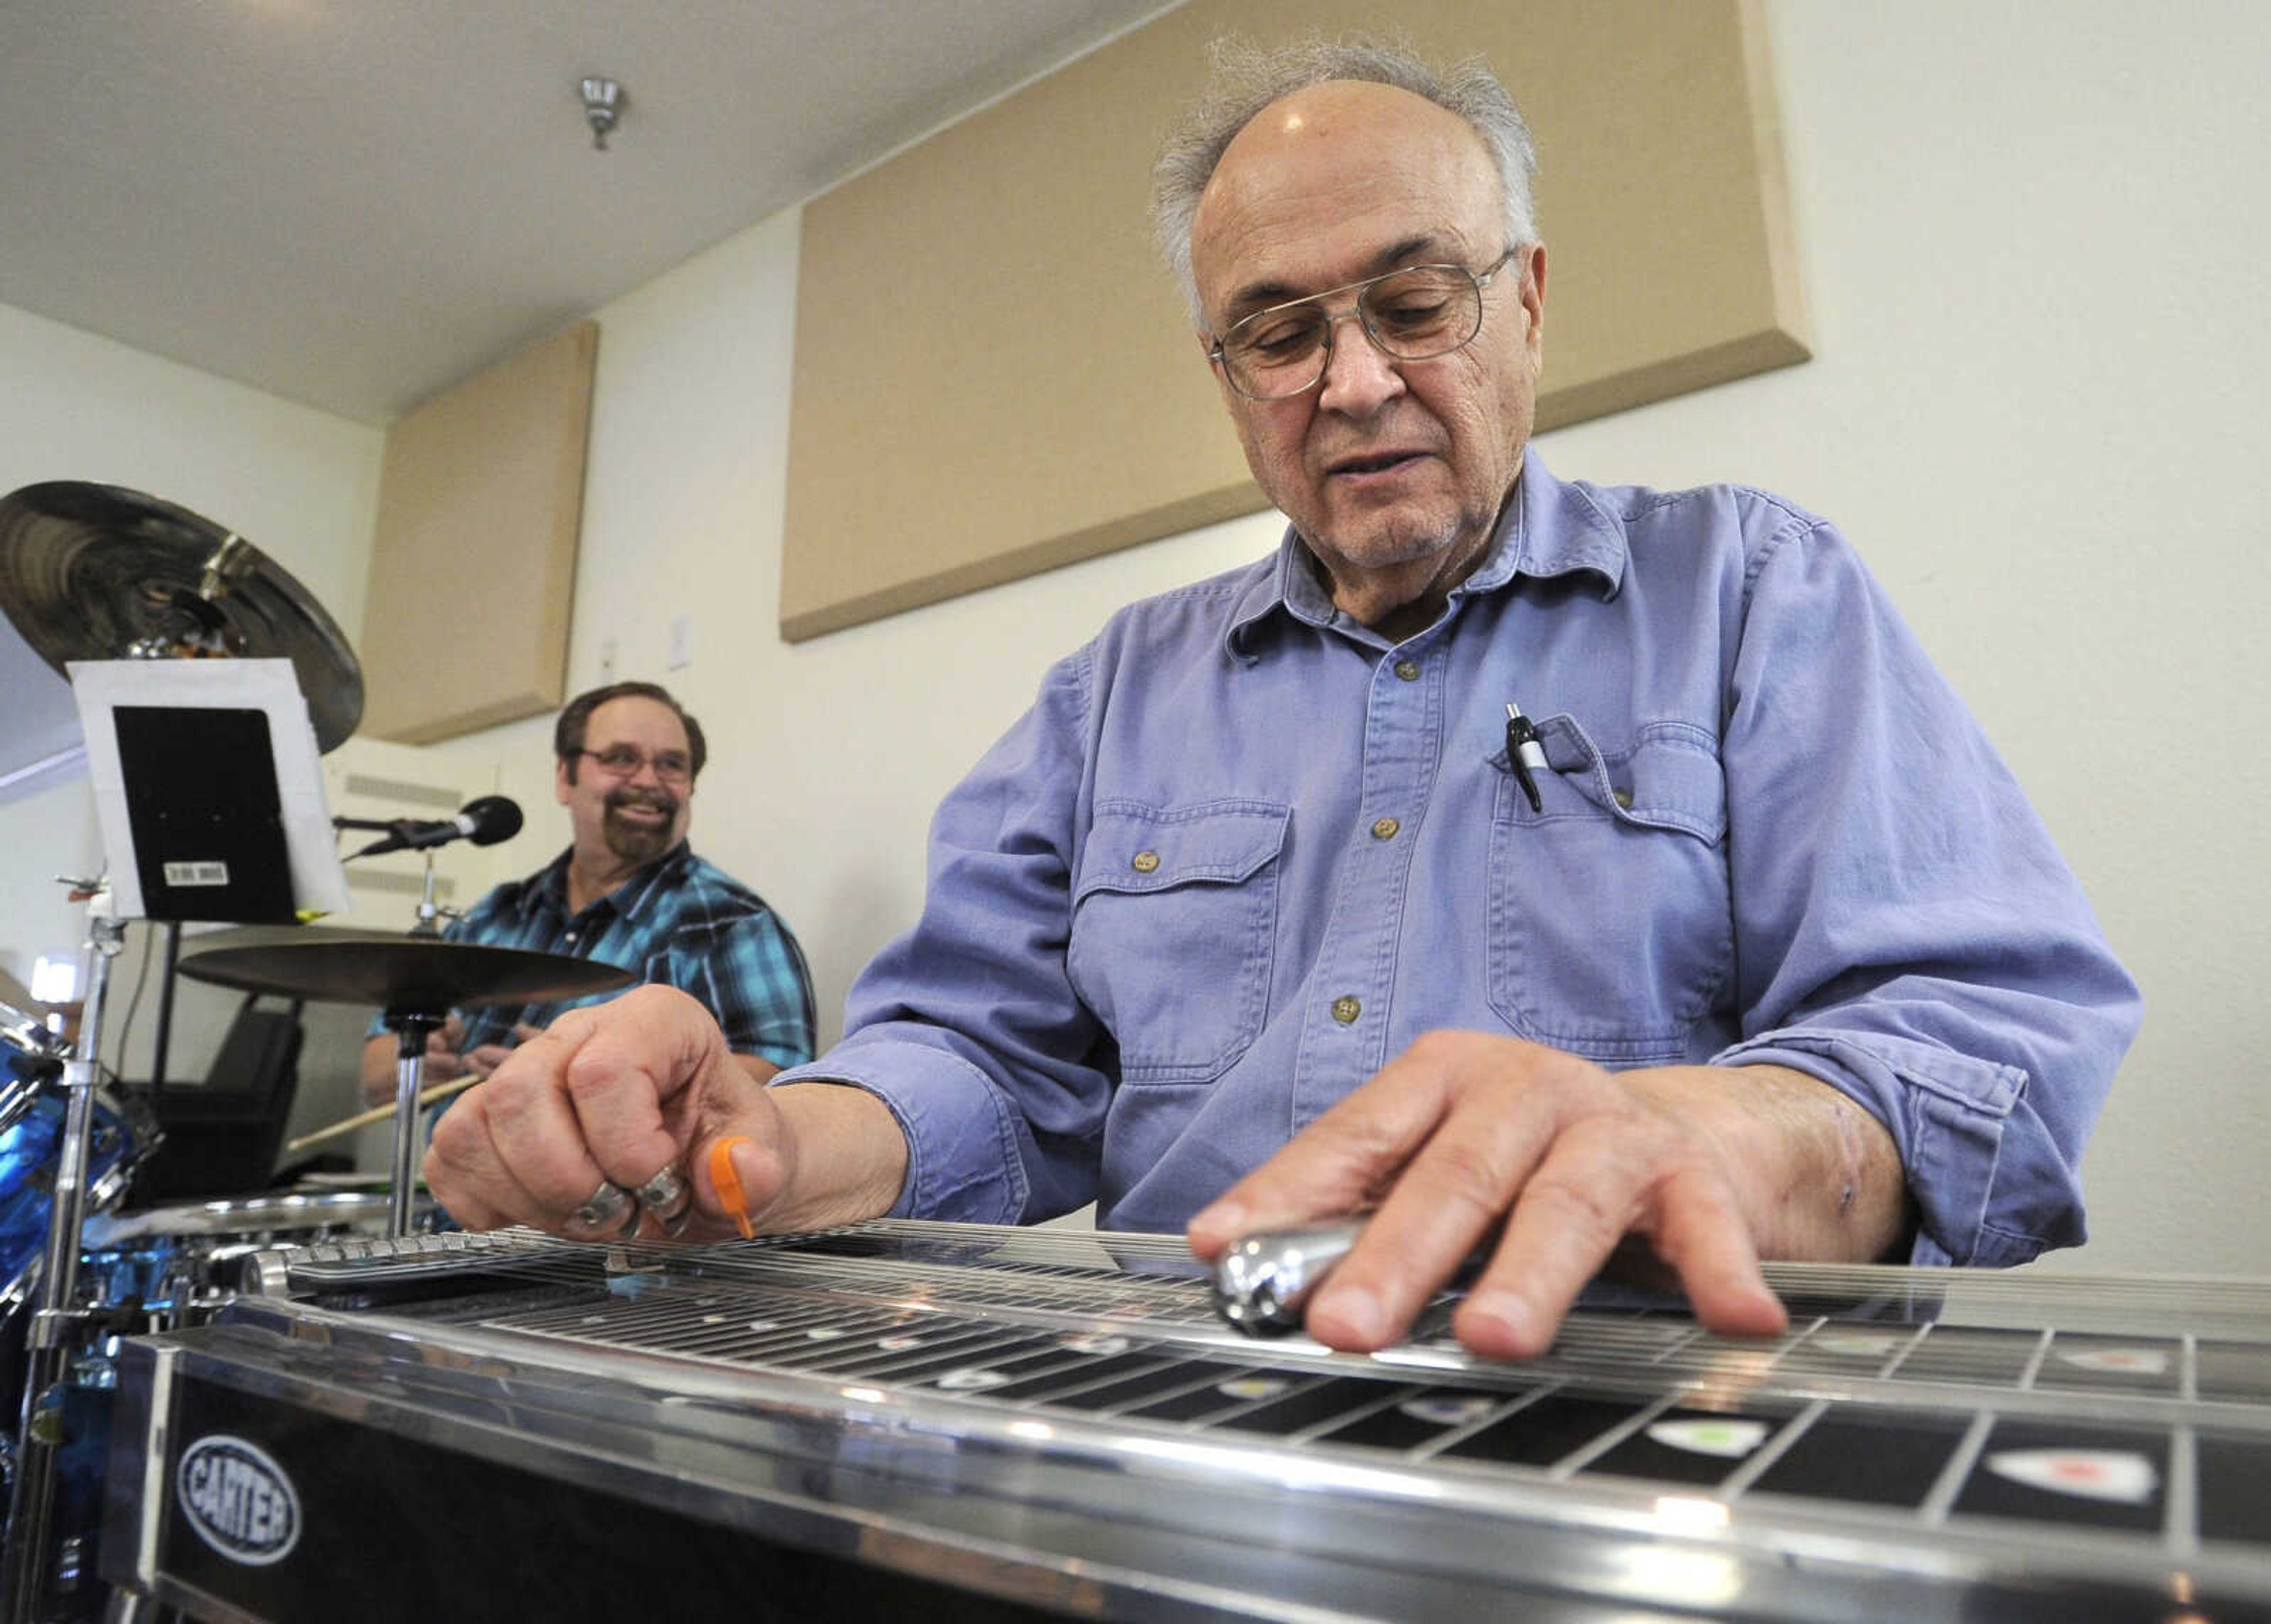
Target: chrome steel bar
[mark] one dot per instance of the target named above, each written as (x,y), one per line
(1261,1283)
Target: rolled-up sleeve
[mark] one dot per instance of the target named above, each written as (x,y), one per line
(1906,931)
(968,1027)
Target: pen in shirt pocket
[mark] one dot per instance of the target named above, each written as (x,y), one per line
(1524,754)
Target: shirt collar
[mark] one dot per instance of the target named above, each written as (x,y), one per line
(1549,529)
(631,896)
(1557,529)
(549,887)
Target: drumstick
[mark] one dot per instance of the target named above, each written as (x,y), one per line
(440,1091)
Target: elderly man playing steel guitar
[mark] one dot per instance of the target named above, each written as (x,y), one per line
(1586,874)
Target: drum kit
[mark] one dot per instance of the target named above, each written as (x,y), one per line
(96,572)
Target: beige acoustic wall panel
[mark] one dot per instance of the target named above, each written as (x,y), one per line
(994,374)
(472,564)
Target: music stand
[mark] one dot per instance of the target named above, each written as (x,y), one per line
(208,790)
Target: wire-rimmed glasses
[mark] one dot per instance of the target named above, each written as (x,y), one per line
(1416,313)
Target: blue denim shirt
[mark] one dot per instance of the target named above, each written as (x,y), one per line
(1242,850)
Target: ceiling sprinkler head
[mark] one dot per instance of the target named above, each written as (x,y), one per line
(603,99)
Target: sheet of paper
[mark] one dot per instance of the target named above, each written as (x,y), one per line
(319,884)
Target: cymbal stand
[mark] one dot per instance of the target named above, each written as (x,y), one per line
(411,1029)
(57,1325)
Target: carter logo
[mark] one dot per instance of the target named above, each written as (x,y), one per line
(238,1500)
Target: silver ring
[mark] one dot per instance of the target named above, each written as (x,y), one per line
(670,1198)
(608,1210)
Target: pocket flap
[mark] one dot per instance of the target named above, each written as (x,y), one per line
(1670,779)
(1134,847)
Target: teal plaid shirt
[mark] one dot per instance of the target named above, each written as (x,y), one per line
(680,922)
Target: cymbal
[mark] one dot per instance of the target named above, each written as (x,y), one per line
(29,1034)
(404,975)
(100,572)
(271,1212)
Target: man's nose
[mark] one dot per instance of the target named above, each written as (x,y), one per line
(1360,376)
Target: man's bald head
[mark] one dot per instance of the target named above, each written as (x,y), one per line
(1247,79)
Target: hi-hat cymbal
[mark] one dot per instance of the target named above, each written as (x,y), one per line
(404,975)
(100,572)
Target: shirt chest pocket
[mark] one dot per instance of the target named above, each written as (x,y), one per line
(1174,924)
(1610,930)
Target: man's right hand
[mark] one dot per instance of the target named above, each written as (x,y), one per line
(614,1093)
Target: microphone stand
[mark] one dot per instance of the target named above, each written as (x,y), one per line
(412,1025)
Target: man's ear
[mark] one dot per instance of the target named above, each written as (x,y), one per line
(561,784)
(1533,298)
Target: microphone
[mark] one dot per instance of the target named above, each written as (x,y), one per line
(484,821)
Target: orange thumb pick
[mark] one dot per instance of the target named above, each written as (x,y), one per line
(729,1183)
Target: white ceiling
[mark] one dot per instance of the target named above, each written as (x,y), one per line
(356,203)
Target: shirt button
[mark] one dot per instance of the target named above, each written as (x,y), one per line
(571,938)
(1408,670)
(1346,1009)
(1623,797)
(1144,862)
(1385,830)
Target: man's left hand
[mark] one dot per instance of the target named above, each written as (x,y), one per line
(1709,1168)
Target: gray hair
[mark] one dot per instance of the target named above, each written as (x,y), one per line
(1247,77)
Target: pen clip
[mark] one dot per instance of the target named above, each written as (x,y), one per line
(1524,754)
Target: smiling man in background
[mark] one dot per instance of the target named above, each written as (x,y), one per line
(628,890)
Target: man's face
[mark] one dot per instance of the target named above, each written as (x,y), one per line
(619,819)
(1393,471)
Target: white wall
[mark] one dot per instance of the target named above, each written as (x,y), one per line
(2032,240)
